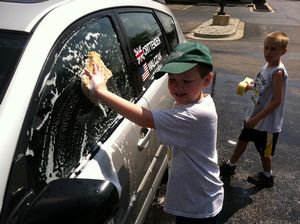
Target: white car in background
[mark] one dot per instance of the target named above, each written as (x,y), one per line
(62,158)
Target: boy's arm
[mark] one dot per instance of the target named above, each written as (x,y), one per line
(129,110)
(277,88)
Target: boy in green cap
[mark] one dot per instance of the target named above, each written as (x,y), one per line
(194,191)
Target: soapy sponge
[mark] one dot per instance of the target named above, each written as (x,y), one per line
(86,84)
(241,88)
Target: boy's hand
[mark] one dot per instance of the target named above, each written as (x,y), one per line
(249,86)
(96,78)
(244,86)
(91,82)
(251,123)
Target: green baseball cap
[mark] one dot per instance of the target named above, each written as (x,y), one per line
(184,57)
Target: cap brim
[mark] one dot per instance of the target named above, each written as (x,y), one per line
(174,68)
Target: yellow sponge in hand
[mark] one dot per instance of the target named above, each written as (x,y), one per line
(241,88)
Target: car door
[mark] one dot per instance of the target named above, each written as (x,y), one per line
(66,136)
(63,132)
(149,45)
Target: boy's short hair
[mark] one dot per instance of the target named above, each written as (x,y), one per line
(205,69)
(184,57)
(278,37)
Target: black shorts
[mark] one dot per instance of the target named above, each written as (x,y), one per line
(264,142)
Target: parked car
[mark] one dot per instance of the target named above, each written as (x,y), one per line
(64,159)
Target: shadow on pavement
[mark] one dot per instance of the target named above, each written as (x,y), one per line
(235,198)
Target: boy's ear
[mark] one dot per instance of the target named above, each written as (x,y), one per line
(208,78)
(284,51)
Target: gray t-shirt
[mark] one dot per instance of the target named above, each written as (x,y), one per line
(194,187)
(262,96)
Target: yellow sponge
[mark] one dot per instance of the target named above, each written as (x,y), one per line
(95,58)
(241,88)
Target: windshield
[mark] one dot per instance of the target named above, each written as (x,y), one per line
(11,47)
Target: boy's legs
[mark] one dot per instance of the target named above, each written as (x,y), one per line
(228,168)
(266,149)
(238,151)
(265,144)
(267,152)
(266,163)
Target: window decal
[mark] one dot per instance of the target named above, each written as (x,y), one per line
(144,71)
(152,64)
(141,52)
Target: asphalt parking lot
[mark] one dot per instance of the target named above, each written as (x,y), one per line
(233,61)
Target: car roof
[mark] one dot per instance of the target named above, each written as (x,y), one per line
(23,15)
(19,15)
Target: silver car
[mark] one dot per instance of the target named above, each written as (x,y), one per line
(64,159)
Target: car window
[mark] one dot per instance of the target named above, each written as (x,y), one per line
(11,47)
(66,124)
(146,43)
(169,27)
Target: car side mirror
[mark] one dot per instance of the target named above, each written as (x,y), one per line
(73,201)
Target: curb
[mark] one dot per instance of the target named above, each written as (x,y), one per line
(233,31)
(207,30)
(266,8)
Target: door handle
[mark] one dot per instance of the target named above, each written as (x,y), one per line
(143,142)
